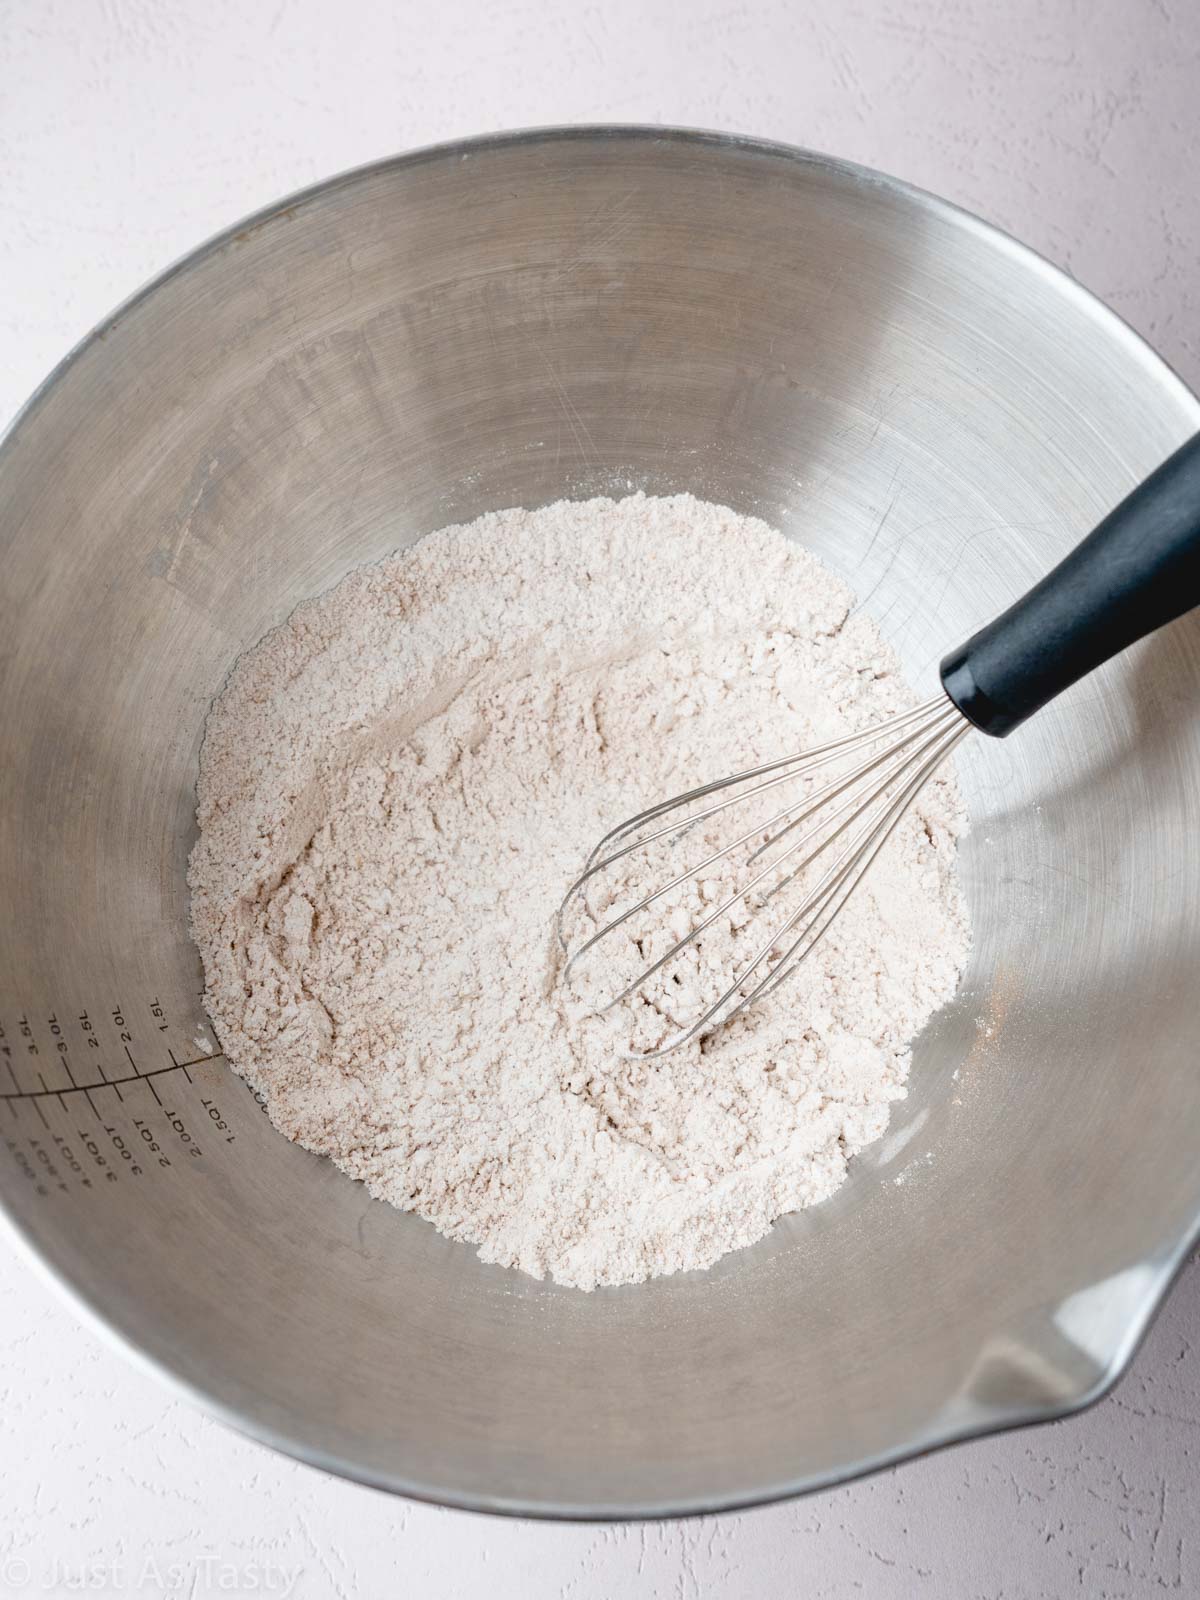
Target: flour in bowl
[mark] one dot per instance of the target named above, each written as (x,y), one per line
(398,784)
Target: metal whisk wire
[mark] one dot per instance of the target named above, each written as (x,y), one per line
(877,792)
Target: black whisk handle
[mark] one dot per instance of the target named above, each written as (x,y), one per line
(1137,570)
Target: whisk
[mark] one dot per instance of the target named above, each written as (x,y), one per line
(1136,571)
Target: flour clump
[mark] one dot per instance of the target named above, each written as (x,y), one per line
(398,784)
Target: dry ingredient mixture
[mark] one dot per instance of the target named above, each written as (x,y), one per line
(398,784)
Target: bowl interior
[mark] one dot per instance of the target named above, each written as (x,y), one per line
(939,416)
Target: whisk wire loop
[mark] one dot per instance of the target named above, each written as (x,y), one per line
(874,795)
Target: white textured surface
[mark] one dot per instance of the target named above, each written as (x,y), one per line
(130,129)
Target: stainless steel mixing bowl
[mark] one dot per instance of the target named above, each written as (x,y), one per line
(936,412)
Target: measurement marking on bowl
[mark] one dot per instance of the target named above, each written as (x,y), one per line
(84,1139)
